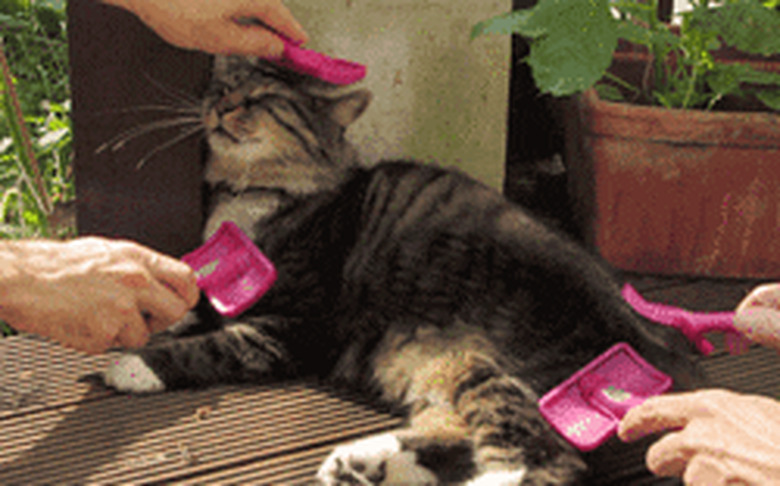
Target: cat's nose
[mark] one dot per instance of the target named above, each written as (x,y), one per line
(230,101)
(212,119)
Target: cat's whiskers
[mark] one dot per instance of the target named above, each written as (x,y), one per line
(120,140)
(183,134)
(187,108)
(171,92)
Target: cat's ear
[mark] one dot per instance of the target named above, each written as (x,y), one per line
(348,108)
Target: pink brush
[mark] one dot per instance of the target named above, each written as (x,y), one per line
(231,270)
(692,324)
(586,408)
(326,68)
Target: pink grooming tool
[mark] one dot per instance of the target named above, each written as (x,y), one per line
(231,270)
(326,68)
(692,324)
(587,408)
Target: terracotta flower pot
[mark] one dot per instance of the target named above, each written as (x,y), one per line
(676,191)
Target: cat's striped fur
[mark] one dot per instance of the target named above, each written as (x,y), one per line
(406,280)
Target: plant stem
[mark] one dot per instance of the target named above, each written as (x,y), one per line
(28,162)
(691,86)
(621,82)
(655,50)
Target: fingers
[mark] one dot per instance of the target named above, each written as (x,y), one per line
(703,470)
(760,325)
(758,316)
(162,306)
(174,274)
(133,333)
(163,289)
(675,456)
(767,295)
(669,456)
(252,40)
(277,16)
(657,414)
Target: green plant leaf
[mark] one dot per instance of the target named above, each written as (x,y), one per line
(573,41)
(5,329)
(634,33)
(577,47)
(608,92)
(725,79)
(748,74)
(765,85)
(745,24)
(14,6)
(769,97)
(11,22)
(51,19)
(515,22)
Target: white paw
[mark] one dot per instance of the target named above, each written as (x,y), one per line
(129,373)
(377,460)
(499,478)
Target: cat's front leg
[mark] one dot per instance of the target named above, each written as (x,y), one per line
(240,352)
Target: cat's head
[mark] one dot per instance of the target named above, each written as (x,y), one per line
(268,127)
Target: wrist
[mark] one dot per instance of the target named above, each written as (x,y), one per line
(16,285)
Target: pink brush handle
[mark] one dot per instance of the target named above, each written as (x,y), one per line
(692,324)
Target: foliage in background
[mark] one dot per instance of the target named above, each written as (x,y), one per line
(572,43)
(35,43)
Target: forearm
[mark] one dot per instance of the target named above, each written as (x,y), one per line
(211,25)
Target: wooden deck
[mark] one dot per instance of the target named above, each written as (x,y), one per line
(58,425)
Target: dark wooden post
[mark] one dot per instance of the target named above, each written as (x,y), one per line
(118,69)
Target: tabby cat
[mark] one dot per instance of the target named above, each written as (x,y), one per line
(408,281)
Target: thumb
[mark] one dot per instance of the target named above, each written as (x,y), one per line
(760,325)
(276,17)
(252,40)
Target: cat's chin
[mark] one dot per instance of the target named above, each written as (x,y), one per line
(128,373)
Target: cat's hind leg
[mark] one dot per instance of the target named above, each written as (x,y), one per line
(512,442)
(470,421)
(437,453)
(239,352)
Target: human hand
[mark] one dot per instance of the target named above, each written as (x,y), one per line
(93,293)
(758,316)
(719,437)
(219,27)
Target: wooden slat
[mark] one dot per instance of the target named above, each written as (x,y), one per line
(93,435)
(56,427)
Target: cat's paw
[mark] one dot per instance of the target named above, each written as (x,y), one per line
(499,478)
(129,373)
(377,460)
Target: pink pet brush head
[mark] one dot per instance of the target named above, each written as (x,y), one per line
(692,324)
(231,270)
(318,65)
(587,408)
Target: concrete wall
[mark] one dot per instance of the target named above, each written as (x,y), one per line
(437,95)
